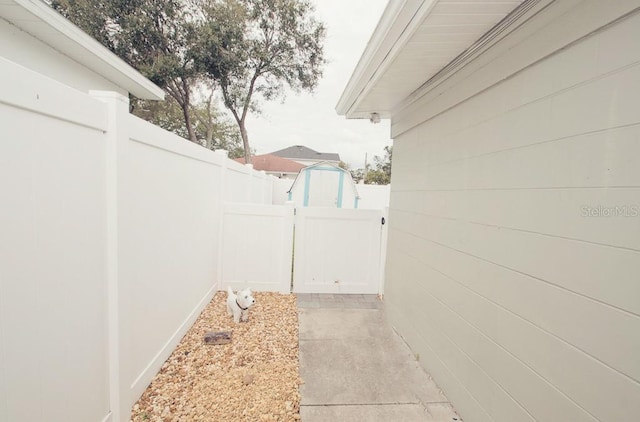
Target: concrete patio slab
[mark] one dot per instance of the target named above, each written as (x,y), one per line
(379,413)
(355,367)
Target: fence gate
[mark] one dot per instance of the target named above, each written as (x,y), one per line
(333,250)
(337,251)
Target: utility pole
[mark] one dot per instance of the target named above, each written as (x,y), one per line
(366,169)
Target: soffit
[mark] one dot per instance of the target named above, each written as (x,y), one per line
(405,52)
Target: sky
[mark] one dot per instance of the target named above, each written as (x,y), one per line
(310,119)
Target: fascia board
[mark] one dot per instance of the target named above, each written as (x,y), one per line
(399,21)
(84,49)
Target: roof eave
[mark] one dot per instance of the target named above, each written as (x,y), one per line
(79,46)
(370,89)
(398,23)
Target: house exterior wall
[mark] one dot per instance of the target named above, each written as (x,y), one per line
(28,51)
(514,237)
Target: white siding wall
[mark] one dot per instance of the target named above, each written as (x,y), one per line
(506,272)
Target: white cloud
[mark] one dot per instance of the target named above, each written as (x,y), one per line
(311,119)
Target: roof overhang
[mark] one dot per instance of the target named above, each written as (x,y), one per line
(414,44)
(45,24)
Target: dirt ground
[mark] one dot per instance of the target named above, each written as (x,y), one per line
(253,378)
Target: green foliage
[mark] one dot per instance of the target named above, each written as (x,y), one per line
(257,47)
(90,15)
(154,36)
(379,173)
(383,164)
(167,114)
(245,48)
(213,130)
(357,175)
(377,177)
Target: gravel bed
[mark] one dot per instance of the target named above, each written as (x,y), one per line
(253,378)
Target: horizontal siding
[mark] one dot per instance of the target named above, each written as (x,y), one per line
(591,158)
(418,335)
(558,339)
(419,309)
(590,120)
(566,316)
(598,272)
(514,247)
(494,373)
(601,216)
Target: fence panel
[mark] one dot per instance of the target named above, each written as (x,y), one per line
(54,364)
(169,205)
(257,247)
(337,251)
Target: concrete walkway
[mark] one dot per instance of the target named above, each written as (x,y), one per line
(354,367)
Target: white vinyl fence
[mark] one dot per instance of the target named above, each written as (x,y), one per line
(336,250)
(257,247)
(109,247)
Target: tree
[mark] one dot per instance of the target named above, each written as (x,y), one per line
(167,114)
(212,129)
(383,164)
(249,48)
(357,175)
(257,47)
(89,15)
(377,174)
(377,177)
(153,36)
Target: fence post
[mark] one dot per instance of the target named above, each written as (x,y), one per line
(224,155)
(286,285)
(249,168)
(384,235)
(263,188)
(116,137)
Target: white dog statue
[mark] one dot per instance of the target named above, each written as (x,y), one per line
(238,305)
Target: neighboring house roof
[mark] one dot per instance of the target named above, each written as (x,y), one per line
(273,164)
(45,24)
(417,44)
(300,152)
